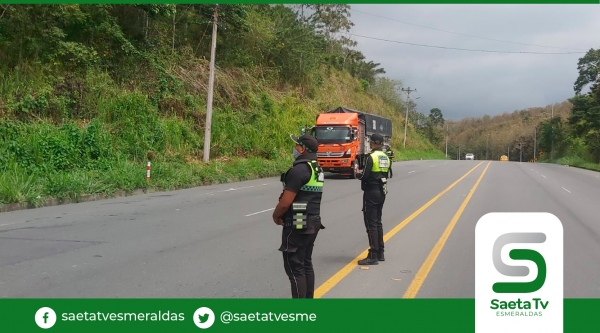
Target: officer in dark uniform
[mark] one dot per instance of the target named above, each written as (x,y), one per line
(374,185)
(299,212)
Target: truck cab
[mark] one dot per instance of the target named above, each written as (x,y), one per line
(343,138)
(338,147)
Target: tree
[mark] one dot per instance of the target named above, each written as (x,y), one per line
(331,20)
(420,120)
(434,122)
(589,73)
(553,134)
(585,115)
(585,122)
(388,90)
(436,117)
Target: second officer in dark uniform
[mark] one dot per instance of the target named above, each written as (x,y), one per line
(299,212)
(374,185)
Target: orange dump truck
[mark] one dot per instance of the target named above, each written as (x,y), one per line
(343,136)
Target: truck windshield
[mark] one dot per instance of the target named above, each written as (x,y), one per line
(332,134)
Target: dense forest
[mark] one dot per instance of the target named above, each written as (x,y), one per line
(90,93)
(566,133)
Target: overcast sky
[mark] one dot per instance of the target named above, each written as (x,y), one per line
(472,84)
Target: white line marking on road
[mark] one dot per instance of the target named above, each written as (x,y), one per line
(240,188)
(235,189)
(262,211)
(411,171)
(543,176)
(566,190)
(2,225)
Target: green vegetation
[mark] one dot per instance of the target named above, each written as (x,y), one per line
(566,133)
(90,93)
(576,161)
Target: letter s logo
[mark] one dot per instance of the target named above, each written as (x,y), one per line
(519,254)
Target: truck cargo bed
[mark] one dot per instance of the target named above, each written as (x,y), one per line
(373,123)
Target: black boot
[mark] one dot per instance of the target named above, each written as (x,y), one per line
(380,256)
(371,259)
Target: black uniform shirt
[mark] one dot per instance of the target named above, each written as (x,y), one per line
(368,180)
(298,176)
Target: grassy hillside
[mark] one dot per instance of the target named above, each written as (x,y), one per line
(86,115)
(44,155)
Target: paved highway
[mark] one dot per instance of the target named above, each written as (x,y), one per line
(220,241)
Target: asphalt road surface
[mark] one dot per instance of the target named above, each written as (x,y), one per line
(220,241)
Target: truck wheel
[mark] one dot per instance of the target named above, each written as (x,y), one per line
(352,172)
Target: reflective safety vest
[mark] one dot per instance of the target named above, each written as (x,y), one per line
(381,162)
(308,200)
(379,171)
(317,178)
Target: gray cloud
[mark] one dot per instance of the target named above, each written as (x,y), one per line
(471,84)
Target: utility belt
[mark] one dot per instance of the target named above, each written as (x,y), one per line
(383,185)
(299,217)
(377,184)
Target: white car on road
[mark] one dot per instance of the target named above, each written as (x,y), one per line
(469,156)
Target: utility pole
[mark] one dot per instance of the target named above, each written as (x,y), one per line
(408,91)
(487,146)
(520,152)
(446,140)
(534,144)
(211,82)
(552,133)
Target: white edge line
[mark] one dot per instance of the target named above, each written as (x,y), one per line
(543,176)
(566,190)
(235,189)
(239,188)
(262,211)
(411,171)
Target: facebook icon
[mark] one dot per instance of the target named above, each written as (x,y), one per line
(45,317)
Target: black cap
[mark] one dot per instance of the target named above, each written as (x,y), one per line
(307,141)
(376,138)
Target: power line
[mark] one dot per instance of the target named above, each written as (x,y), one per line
(461,34)
(460,49)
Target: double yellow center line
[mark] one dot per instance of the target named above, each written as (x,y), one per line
(421,275)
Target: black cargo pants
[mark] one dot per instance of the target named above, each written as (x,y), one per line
(297,248)
(373,201)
